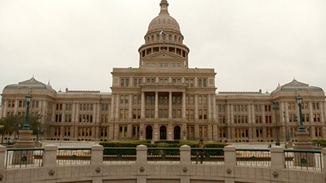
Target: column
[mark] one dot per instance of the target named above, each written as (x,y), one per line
(231,114)
(196,107)
(209,111)
(183,105)
(142,105)
(214,108)
(130,106)
(73,115)
(170,105)
(94,113)
(209,132)
(112,107)
(16,106)
(116,132)
(5,106)
(98,120)
(117,107)
(322,117)
(311,114)
(111,131)
(196,132)
(156,134)
(129,131)
(263,115)
(156,105)
(215,132)
(76,132)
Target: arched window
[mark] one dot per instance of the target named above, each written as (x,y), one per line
(170,37)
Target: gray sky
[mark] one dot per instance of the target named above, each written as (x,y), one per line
(251,44)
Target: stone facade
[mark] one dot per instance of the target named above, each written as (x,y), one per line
(165,99)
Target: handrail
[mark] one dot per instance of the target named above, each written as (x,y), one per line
(25,149)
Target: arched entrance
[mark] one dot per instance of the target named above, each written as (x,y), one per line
(177,133)
(163,133)
(149,132)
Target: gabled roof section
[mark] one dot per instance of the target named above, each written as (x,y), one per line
(32,81)
(295,85)
(163,54)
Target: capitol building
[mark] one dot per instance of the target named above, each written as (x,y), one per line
(164,99)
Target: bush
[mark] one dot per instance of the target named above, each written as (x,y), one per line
(171,144)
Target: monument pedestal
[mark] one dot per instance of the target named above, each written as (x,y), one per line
(303,143)
(25,141)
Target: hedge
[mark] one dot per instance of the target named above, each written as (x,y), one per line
(158,152)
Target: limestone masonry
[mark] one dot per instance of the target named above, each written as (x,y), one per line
(165,99)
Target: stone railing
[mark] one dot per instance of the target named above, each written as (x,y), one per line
(140,169)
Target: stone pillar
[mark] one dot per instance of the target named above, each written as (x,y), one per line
(130,106)
(214,108)
(185,155)
(142,128)
(142,105)
(209,111)
(16,107)
(196,107)
(322,117)
(230,159)
(196,132)
(111,131)
(215,132)
(117,107)
(141,158)
(112,108)
(97,155)
(3,150)
(324,158)
(210,132)
(277,157)
(50,156)
(5,106)
(156,105)
(170,105)
(183,105)
(116,132)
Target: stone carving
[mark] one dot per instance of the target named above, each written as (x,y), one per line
(228,171)
(185,169)
(98,170)
(141,169)
(275,174)
(51,173)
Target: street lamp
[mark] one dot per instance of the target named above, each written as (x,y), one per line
(276,108)
(299,100)
(28,100)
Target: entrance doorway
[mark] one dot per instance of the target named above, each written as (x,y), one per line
(163,133)
(177,132)
(149,132)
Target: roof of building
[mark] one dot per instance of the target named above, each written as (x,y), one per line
(31,84)
(295,85)
(164,20)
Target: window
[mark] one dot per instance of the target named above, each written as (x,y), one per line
(202,83)
(153,65)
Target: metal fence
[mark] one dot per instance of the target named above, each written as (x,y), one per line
(253,157)
(163,155)
(303,159)
(119,155)
(73,156)
(207,155)
(24,157)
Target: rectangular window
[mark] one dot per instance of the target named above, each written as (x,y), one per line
(127,82)
(122,82)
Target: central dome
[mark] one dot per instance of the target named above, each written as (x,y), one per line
(164,21)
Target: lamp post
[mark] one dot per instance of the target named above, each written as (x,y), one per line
(276,108)
(28,100)
(299,100)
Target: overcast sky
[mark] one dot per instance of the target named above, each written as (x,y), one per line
(251,44)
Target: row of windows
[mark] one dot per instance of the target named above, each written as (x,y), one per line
(305,118)
(124,82)
(304,106)
(66,131)
(22,103)
(82,107)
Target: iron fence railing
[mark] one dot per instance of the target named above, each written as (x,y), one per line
(303,159)
(73,156)
(24,157)
(119,155)
(207,155)
(163,155)
(253,157)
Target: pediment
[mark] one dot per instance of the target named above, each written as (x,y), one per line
(162,55)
